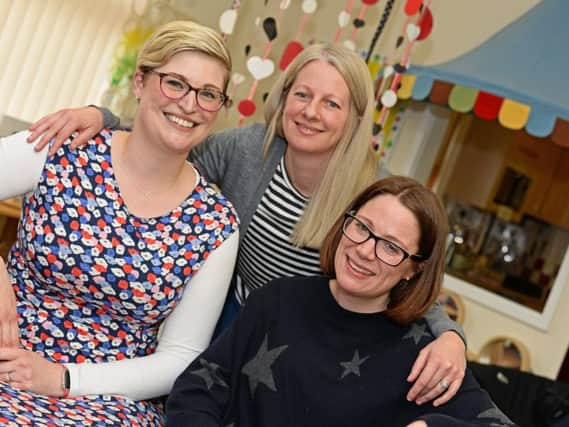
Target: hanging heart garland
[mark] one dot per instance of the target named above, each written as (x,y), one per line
(261,67)
(411,32)
(294,47)
(359,22)
(228,19)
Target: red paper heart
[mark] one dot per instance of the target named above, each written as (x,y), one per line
(425,24)
(292,49)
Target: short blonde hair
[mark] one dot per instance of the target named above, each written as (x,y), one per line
(352,165)
(408,300)
(177,36)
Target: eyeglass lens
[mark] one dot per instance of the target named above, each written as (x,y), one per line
(385,250)
(175,88)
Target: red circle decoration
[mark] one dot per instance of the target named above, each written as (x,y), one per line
(369,2)
(412,7)
(425,24)
(246,107)
(292,49)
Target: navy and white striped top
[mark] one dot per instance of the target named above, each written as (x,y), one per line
(266,251)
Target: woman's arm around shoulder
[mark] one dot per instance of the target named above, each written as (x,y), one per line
(442,361)
(186,333)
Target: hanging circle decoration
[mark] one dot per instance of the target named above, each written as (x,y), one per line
(246,107)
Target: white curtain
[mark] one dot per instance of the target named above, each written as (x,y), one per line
(56,53)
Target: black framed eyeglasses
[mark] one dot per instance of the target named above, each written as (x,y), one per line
(175,87)
(385,250)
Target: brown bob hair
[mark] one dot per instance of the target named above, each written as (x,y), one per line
(408,300)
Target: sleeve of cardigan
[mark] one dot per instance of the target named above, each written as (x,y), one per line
(20,165)
(212,156)
(109,119)
(439,322)
(186,333)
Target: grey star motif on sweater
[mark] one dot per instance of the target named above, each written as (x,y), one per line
(259,370)
(353,366)
(496,414)
(417,332)
(209,374)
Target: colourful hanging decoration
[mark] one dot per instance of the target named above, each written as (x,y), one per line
(228,19)
(261,67)
(379,29)
(344,19)
(294,47)
(392,74)
(359,22)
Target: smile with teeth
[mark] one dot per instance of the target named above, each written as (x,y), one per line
(307,129)
(359,269)
(180,121)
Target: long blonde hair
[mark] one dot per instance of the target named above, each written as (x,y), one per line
(353,165)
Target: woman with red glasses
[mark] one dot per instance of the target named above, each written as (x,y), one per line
(110,244)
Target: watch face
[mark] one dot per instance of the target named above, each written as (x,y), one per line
(67,380)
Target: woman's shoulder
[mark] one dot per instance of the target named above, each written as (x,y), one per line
(209,198)
(242,137)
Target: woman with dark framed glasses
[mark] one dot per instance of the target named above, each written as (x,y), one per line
(111,240)
(335,350)
(288,179)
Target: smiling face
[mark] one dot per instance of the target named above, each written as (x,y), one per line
(363,282)
(316,109)
(178,125)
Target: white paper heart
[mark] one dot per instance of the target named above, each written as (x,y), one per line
(309,6)
(387,71)
(343,18)
(227,21)
(237,79)
(260,68)
(389,98)
(257,21)
(284,4)
(350,44)
(412,32)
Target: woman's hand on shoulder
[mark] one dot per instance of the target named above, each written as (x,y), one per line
(439,370)
(86,121)
(9,331)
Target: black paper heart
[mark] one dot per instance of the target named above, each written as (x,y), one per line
(270,27)
(359,23)
(247,49)
(265,95)
(376,128)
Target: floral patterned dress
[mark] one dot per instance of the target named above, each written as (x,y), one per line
(93,282)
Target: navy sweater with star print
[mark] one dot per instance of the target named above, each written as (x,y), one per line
(294,357)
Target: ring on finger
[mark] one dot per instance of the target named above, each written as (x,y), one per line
(9,377)
(444,384)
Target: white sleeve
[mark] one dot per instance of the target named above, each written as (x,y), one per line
(20,165)
(186,333)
